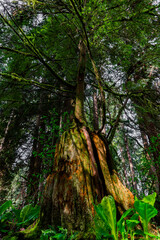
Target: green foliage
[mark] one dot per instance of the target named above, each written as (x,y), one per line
(5,206)
(49,138)
(5,215)
(28,214)
(12,218)
(146,210)
(46,46)
(106,210)
(148,161)
(107,226)
(62,234)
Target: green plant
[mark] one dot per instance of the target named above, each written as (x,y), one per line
(62,234)
(27,214)
(5,215)
(146,211)
(12,218)
(106,210)
(48,139)
(107,226)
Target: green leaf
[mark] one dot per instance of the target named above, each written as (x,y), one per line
(139,232)
(5,206)
(25,210)
(109,207)
(152,235)
(146,212)
(150,199)
(28,213)
(106,210)
(120,225)
(131,223)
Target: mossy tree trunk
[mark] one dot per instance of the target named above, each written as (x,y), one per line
(82,172)
(77,182)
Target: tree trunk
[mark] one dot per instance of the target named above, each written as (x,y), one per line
(35,161)
(124,168)
(149,159)
(82,172)
(95,111)
(130,163)
(77,183)
(147,125)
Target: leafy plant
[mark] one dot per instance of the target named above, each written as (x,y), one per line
(11,218)
(27,214)
(146,210)
(62,234)
(107,226)
(5,215)
(106,211)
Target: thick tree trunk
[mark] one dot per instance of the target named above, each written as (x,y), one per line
(77,182)
(82,172)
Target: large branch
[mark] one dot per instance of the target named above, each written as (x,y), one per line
(17,51)
(113,129)
(25,81)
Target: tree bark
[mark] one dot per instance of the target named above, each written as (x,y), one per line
(149,159)
(130,164)
(95,111)
(124,167)
(82,172)
(79,106)
(35,162)
(78,182)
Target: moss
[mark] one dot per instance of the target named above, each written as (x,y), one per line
(32,232)
(9,237)
(90,235)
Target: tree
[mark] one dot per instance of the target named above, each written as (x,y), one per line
(83,168)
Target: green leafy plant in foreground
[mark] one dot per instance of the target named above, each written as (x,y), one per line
(13,219)
(5,215)
(107,226)
(62,234)
(146,211)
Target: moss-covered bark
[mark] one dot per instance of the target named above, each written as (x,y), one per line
(78,181)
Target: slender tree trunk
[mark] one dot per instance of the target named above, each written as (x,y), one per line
(149,159)
(149,128)
(35,161)
(79,106)
(124,168)
(95,111)
(2,141)
(5,168)
(130,163)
